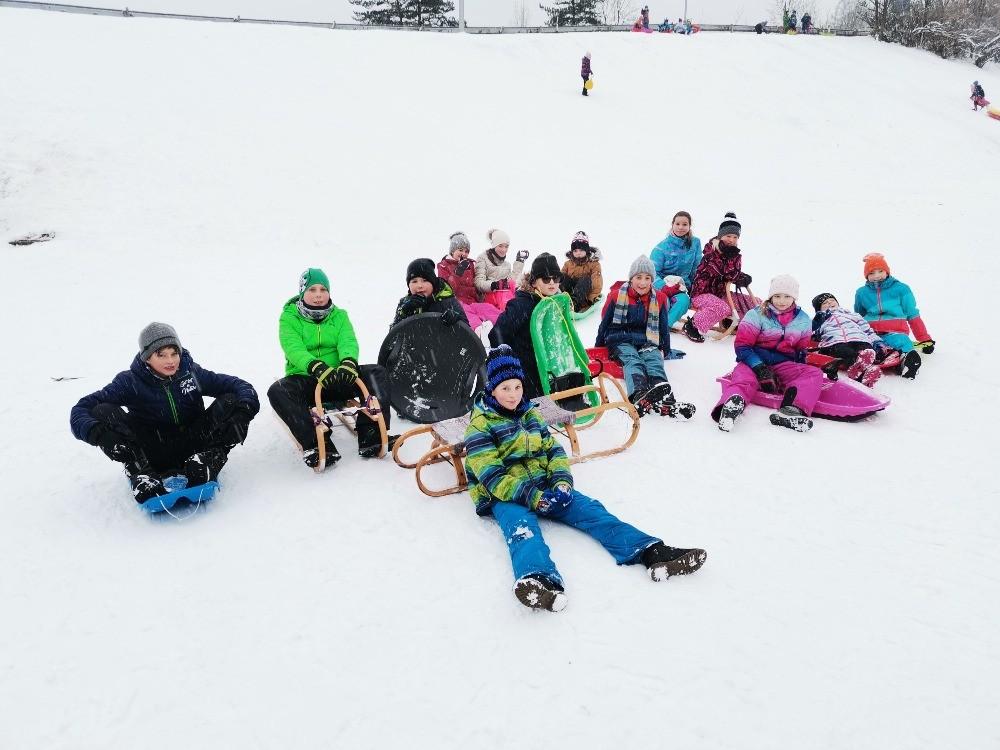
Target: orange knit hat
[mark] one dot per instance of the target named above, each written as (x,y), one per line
(876,262)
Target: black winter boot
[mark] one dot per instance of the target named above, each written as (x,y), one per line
(729,411)
(793,418)
(540,592)
(145,484)
(692,332)
(662,561)
(205,466)
(911,363)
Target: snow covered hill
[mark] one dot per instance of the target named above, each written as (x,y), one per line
(191,171)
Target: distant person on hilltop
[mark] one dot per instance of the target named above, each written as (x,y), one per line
(978,96)
(760,28)
(645,16)
(793,20)
(807,24)
(666,26)
(585,71)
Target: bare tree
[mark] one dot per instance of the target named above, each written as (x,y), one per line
(520,13)
(617,12)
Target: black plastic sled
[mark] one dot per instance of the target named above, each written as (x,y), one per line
(434,370)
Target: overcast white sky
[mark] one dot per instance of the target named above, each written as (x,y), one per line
(477,12)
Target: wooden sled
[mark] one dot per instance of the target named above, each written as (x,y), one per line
(448,436)
(738,307)
(346,416)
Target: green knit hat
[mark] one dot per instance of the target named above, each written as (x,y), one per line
(312,276)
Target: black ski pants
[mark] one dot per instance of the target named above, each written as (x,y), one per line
(848,351)
(293,396)
(164,449)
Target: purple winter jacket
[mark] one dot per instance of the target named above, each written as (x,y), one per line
(585,68)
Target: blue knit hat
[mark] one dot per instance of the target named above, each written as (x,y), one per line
(502,364)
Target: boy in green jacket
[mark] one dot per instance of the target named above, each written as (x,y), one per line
(320,347)
(517,473)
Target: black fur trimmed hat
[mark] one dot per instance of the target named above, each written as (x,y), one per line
(545,264)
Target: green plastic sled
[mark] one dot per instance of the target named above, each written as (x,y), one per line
(562,360)
(589,311)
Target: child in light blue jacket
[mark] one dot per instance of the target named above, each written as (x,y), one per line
(675,259)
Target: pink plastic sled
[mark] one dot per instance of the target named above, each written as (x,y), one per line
(838,400)
(499,298)
(600,361)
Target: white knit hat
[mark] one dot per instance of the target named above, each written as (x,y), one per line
(498,237)
(784,284)
(642,264)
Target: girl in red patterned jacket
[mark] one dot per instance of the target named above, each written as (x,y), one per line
(721,264)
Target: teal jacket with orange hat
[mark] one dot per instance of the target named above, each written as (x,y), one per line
(889,305)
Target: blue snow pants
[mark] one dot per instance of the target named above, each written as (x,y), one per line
(897,341)
(679,304)
(530,554)
(642,367)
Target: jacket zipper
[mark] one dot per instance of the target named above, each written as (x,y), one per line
(173,406)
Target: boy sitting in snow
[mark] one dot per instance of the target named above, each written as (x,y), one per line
(518,472)
(167,429)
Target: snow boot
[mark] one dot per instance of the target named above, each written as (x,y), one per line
(729,412)
(638,399)
(146,485)
(662,561)
(792,417)
(692,332)
(205,466)
(311,457)
(662,400)
(871,376)
(864,360)
(911,363)
(540,592)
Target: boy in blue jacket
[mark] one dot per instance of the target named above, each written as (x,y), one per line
(167,429)
(635,330)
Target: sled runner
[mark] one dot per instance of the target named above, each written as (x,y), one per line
(563,364)
(740,304)
(434,369)
(448,436)
(179,493)
(326,416)
(838,400)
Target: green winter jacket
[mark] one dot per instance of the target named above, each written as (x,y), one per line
(511,460)
(303,340)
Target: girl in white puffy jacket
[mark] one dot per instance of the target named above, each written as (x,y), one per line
(847,336)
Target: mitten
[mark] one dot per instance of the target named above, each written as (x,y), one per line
(347,372)
(522,255)
(320,370)
(677,281)
(766,378)
(462,267)
(412,305)
(554,501)
(743,279)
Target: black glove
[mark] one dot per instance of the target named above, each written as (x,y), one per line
(116,445)
(502,284)
(347,372)
(765,376)
(412,304)
(522,255)
(743,279)
(462,267)
(320,370)
(449,317)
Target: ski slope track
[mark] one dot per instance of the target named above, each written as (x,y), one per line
(192,171)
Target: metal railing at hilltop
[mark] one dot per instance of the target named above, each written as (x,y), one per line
(128,13)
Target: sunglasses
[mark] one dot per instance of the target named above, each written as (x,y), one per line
(550,279)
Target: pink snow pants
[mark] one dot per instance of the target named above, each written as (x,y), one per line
(808,380)
(710,310)
(477,312)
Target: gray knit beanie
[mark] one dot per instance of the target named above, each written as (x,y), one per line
(156,336)
(642,264)
(458,240)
